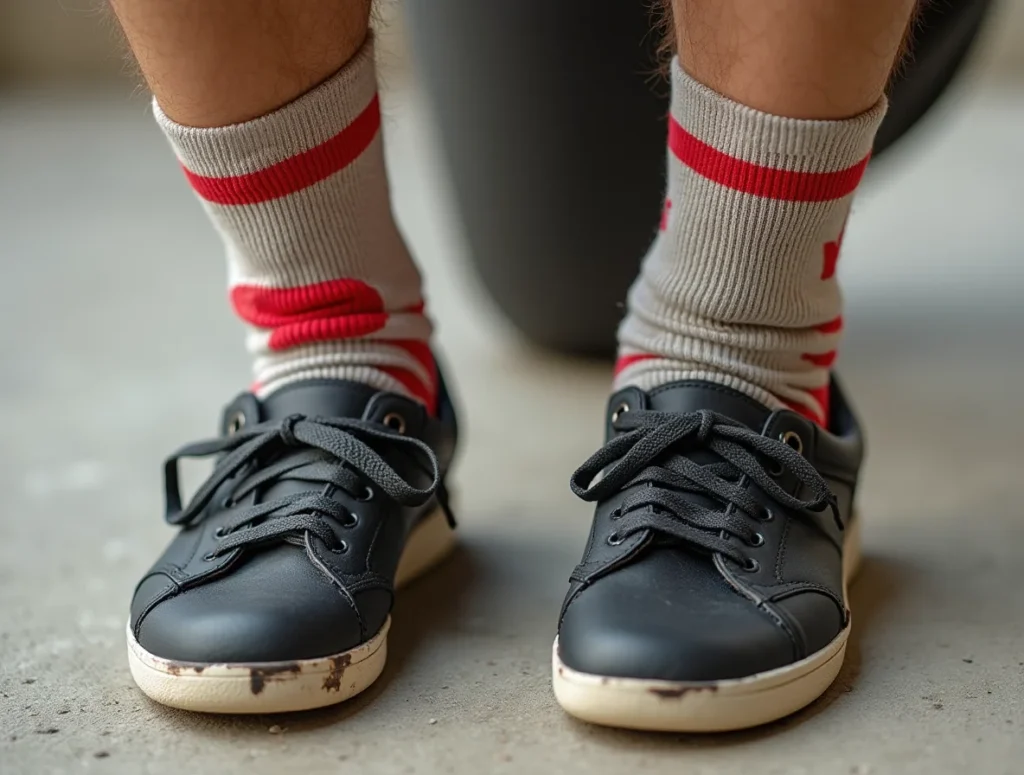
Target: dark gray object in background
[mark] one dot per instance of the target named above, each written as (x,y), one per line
(554,130)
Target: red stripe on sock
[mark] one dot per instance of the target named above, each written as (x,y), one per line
(807,412)
(664,215)
(821,395)
(425,393)
(294,173)
(828,266)
(761,181)
(420,351)
(326,330)
(830,256)
(825,360)
(274,307)
(625,361)
(336,309)
(831,327)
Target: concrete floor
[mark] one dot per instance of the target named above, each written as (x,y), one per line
(117,346)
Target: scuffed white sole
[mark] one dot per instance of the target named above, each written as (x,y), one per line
(711,706)
(277,687)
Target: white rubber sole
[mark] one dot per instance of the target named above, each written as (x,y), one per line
(278,687)
(717,706)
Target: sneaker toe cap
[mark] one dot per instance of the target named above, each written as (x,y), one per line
(686,626)
(271,609)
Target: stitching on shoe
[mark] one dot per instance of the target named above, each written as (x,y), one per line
(796,640)
(626,547)
(158,598)
(345,593)
(373,542)
(371,581)
(760,602)
(572,599)
(797,588)
(780,559)
(195,548)
(791,625)
(176,574)
(588,578)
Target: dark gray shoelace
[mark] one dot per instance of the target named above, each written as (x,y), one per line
(334,454)
(657,450)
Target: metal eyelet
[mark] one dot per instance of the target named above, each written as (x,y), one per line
(220,532)
(756,541)
(750,565)
(615,539)
(227,503)
(236,423)
(767,516)
(341,548)
(395,422)
(620,410)
(366,496)
(792,439)
(351,521)
(210,557)
(615,515)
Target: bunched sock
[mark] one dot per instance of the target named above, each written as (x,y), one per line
(317,267)
(739,287)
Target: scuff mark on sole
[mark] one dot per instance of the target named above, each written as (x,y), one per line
(676,692)
(332,683)
(177,668)
(259,677)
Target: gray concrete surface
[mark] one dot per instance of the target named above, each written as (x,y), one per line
(117,345)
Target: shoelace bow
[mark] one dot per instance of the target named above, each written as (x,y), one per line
(337,455)
(656,449)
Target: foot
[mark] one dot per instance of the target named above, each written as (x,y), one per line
(712,593)
(276,594)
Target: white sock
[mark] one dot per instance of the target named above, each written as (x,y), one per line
(316,264)
(739,287)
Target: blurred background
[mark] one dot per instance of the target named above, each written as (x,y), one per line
(118,346)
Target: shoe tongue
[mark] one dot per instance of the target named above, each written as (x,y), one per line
(312,398)
(318,398)
(694,395)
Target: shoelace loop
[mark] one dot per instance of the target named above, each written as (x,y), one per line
(337,454)
(700,503)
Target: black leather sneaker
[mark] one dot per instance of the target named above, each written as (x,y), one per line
(276,593)
(712,592)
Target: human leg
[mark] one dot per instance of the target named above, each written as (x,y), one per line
(328,488)
(713,592)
